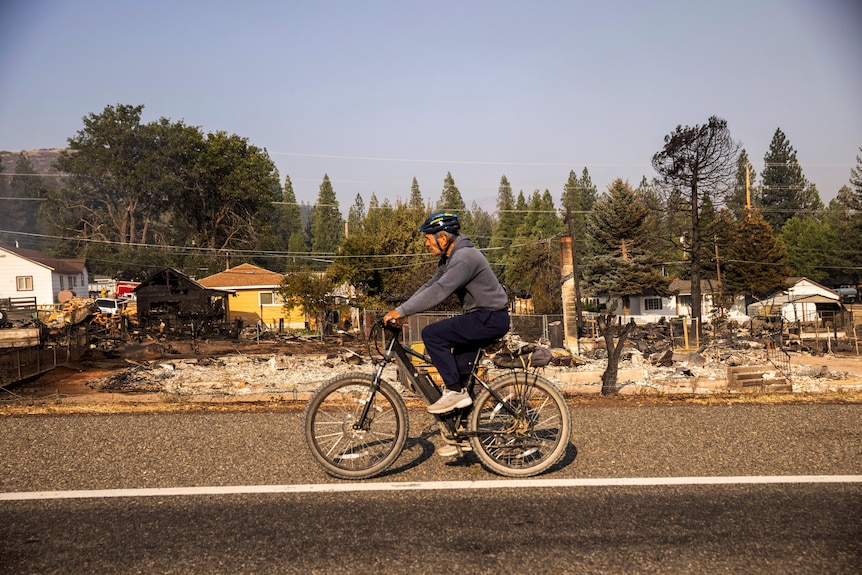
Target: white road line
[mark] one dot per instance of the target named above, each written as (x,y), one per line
(427,486)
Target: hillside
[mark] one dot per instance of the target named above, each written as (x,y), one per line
(42,159)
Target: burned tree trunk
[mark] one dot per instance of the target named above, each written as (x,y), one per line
(607,329)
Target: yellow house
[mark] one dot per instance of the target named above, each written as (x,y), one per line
(256,296)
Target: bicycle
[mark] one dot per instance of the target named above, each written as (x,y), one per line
(356,425)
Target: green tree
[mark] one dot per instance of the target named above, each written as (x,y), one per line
(810,245)
(483,227)
(287,219)
(21,215)
(309,291)
(122,176)
(620,227)
(451,201)
(700,159)
(579,197)
(387,259)
(162,183)
(416,200)
(856,177)
(292,229)
(505,227)
(845,217)
(228,195)
(756,261)
(786,191)
(450,198)
(327,226)
(356,215)
(533,259)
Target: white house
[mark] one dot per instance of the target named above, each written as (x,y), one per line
(798,302)
(646,308)
(30,274)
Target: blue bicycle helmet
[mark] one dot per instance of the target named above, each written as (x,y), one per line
(441,222)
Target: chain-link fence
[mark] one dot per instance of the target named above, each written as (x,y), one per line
(529,327)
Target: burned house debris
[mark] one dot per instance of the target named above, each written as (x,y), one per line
(170,300)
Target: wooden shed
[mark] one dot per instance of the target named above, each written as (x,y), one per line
(169,296)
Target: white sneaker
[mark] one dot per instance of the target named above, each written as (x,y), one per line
(450,450)
(450,401)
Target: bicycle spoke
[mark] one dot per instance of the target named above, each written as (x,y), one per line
(355,429)
(522,428)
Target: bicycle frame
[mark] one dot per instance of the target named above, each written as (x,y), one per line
(421,383)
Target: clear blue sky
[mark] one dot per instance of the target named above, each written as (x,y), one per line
(374,93)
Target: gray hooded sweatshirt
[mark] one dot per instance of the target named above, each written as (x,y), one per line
(467,274)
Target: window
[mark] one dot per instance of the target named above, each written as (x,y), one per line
(653,303)
(266,298)
(24,283)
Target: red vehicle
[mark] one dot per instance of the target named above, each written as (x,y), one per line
(125,288)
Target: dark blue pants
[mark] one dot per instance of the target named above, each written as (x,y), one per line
(452,343)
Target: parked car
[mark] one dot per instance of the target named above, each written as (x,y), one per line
(110,306)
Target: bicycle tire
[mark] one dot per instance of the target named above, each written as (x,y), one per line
(342,450)
(529,441)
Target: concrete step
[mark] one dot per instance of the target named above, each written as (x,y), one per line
(763,378)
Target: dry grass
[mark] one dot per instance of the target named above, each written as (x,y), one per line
(851,396)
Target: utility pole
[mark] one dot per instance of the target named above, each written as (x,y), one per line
(718,272)
(747,189)
(579,311)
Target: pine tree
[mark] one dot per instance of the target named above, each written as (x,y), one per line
(579,197)
(699,159)
(450,198)
(533,260)
(483,226)
(327,226)
(356,216)
(505,227)
(416,201)
(757,260)
(621,228)
(856,177)
(451,201)
(786,191)
(811,245)
(287,219)
(845,213)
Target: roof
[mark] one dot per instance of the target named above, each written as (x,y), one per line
(683,287)
(59,265)
(243,276)
(814,298)
(169,276)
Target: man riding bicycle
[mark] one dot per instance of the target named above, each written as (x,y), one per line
(452,343)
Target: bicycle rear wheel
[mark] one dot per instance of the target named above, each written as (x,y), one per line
(525,433)
(340,443)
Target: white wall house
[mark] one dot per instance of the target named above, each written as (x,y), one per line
(798,302)
(30,274)
(651,308)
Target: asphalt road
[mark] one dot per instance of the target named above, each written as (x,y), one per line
(791,527)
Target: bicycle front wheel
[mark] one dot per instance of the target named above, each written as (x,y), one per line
(523,427)
(349,441)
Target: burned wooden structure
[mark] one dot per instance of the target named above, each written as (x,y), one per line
(171,300)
